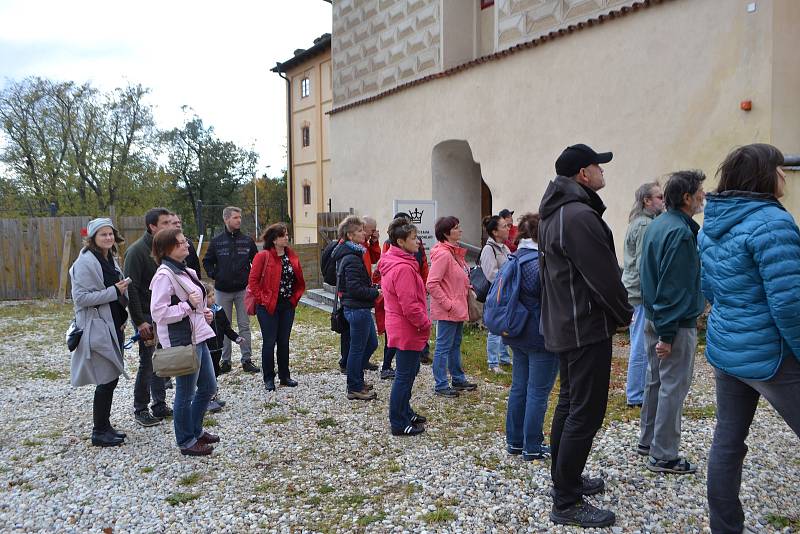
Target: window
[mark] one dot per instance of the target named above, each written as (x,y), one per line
(306,134)
(305,87)
(307,195)
(486,3)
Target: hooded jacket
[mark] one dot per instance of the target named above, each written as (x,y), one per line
(228,258)
(353,283)
(448,283)
(632,253)
(583,299)
(407,324)
(750,256)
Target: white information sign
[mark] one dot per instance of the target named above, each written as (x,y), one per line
(423,216)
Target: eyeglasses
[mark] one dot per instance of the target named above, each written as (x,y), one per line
(657,196)
(183,242)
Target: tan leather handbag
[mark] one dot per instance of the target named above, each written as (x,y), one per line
(180,360)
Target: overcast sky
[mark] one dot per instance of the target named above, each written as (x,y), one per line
(212,56)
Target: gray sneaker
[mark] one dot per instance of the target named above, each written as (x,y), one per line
(680,466)
(145,419)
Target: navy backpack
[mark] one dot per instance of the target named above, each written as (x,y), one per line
(503,313)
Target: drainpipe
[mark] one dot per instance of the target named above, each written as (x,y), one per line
(289,168)
(791,162)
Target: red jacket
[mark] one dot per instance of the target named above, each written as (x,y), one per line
(512,236)
(265,278)
(422,259)
(407,322)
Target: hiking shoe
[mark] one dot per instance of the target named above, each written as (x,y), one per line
(410,430)
(465,386)
(514,451)
(269,384)
(643,450)
(589,486)
(446,392)
(371,367)
(198,449)
(224,367)
(364,395)
(145,419)
(583,514)
(214,407)
(680,466)
(387,374)
(418,419)
(248,367)
(162,412)
(207,438)
(543,453)
(289,383)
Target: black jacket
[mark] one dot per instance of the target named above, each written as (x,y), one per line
(228,260)
(222,327)
(192,261)
(354,282)
(140,266)
(583,299)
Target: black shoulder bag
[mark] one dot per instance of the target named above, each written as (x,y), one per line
(338,321)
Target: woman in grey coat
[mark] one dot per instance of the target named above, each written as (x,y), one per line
(99,296)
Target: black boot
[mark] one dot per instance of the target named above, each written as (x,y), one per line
(269,384)
(106,439)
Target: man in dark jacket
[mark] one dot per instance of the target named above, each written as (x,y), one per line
(583,304)
(669,270)
(192,261)
(227,262)
(140,267)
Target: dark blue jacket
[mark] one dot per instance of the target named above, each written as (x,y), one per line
(228,260)
(530,291)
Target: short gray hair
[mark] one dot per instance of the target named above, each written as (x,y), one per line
(350,224)
(644,192)
(230,210)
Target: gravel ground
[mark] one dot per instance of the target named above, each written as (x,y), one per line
(308,460)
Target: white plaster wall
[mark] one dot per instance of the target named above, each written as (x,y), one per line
(661,88)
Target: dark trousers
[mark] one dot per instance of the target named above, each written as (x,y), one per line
(275,330)
(400,412)
(388,353)
(101,408)
(737,400)
(363,342)
(216,356)
(147,386)
(585,374)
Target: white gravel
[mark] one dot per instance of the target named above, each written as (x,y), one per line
(308,460)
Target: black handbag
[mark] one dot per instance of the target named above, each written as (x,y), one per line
(339,323)
(74,335)
(477,279)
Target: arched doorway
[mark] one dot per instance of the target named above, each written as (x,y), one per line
(458,187)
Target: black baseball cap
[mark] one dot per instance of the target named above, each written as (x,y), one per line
(505,213)
(576,157)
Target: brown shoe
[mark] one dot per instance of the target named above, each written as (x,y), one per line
(207,438)
(198,449)
(364,394)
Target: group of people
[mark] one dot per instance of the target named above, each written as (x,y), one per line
(161,291)
(745,262)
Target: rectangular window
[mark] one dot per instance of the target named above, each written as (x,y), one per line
(305,87)
(307,195)
(486,3)
(306,131)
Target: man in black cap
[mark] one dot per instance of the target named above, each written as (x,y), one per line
(583,304)
(508,217)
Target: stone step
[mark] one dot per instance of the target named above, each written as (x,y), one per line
(316,304)
(320,295)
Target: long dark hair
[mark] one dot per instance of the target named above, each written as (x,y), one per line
(750,168)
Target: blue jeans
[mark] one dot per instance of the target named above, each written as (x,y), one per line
(447,354)
(400,412)
(192,393)
(496,351)
(637,361)
(275,330)
(737,400)
(363,342)
(532,379)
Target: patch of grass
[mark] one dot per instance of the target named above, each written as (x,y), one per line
(4,469)
(489,462)
(39,459)
(325,489)
(302,411)
(210,421)
(275,420)
(708,411)
(354,500)
(46,374)
(268,486)
(147,469)
(316,500)
(365,520)
(190,479)
(181,498)
(327,422)
(270,405)
(31,442)
(52,434)
(393,467)
(440,515)
(780,521)
(312,316)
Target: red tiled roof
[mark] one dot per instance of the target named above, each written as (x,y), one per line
(503,53)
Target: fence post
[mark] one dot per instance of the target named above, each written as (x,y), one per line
(62,277)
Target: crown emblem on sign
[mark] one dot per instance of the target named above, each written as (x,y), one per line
(416,216)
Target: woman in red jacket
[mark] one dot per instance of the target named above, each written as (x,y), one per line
(276,281)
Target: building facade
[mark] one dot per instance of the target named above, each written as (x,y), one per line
(469,102)
(309,99)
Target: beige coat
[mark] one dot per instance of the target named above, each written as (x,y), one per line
(98,357)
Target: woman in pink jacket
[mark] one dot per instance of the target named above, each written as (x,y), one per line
(179,311)
(407,323)
(448,285)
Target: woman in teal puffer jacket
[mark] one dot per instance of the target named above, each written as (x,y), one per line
(750,254)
